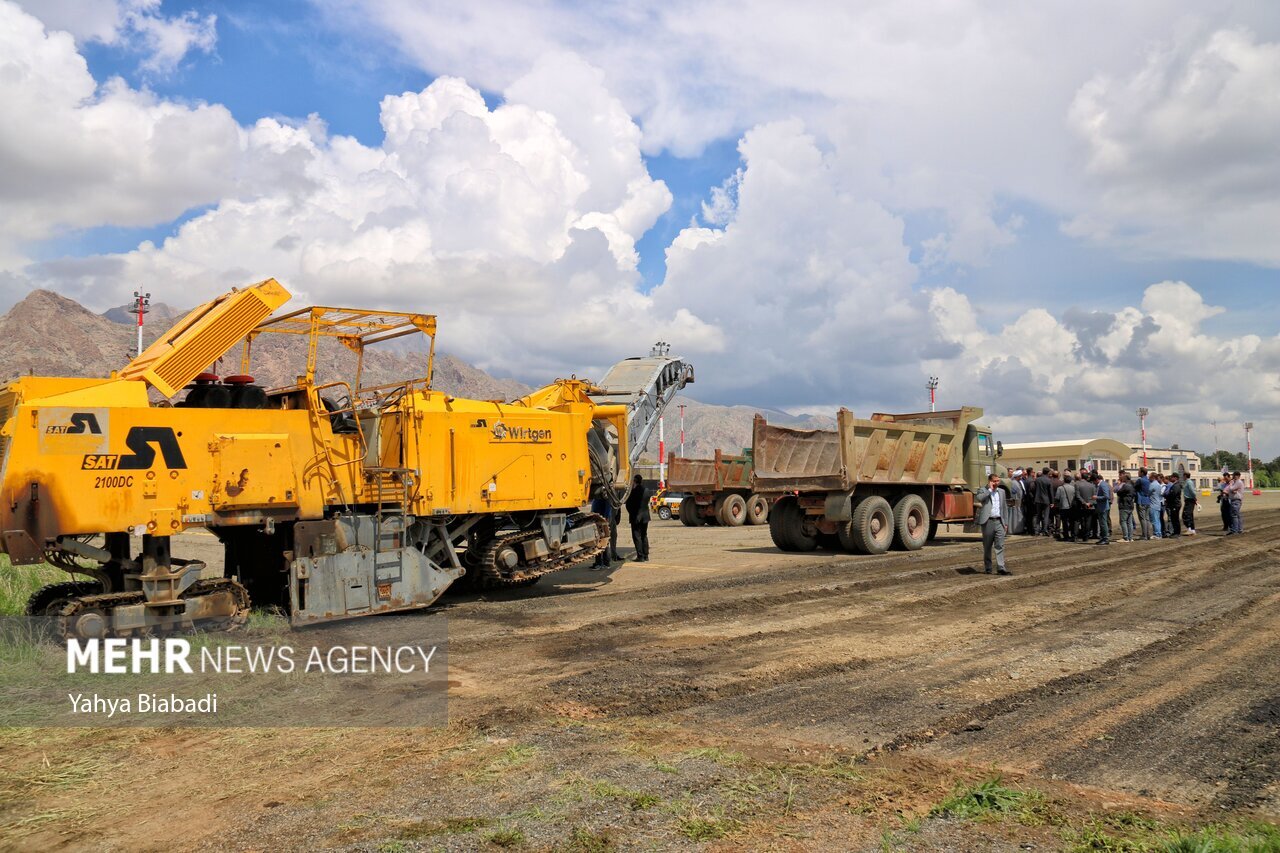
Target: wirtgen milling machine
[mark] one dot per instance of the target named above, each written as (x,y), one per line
(331,500)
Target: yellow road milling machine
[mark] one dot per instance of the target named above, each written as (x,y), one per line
(331,499)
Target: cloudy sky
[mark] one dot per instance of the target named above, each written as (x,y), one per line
(1063,210)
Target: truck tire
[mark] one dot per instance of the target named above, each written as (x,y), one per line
(933,530)
(778,530)
(871,530)
(664,512)
(757,510)
(793,524)
(911,522)
(733,511)
(689,512)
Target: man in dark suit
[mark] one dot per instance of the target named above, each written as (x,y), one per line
(1043,501)
(638,510)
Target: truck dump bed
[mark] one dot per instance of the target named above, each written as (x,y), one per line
(925,448)
(709,475)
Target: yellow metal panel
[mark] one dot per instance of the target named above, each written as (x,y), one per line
(254,470)
(204,336)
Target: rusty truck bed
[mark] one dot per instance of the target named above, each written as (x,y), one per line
(722,472)
(925,448)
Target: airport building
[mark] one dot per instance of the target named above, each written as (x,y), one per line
(1105,455)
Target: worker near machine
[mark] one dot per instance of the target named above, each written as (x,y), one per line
(601,506)
(993,514)
(638,511)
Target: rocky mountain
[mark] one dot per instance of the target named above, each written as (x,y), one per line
(52,335)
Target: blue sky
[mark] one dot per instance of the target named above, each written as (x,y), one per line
(906,185)
(287,59)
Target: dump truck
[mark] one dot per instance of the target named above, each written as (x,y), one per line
(869,485)
(720,490)
(332,498)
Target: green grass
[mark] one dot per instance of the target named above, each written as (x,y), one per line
(1251,838)
(509,836)
(707,826)
(17,583)
(448,826)
(1125,832)
(990,799)
(585,841)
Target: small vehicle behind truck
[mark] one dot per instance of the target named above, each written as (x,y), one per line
(720,490)
(666,504)
(872,484)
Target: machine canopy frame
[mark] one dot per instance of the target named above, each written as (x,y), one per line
(354,328)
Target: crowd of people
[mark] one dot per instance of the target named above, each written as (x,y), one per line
(1076,506)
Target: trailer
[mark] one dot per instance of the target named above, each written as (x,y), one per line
(720,490)
(872,484)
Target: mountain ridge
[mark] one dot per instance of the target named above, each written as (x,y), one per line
(50,334)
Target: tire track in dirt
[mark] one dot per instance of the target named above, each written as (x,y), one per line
(1194,714)
(646,681)
(782,592)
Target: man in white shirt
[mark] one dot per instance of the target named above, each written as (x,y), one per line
(993,521)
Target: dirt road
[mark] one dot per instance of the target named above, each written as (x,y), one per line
(728,693)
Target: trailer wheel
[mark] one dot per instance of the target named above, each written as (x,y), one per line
(829,541)
(757,509)
(733,511)
(689,512)
(786,526)
(664,512)
(793,523)
(911,522)
(871,529)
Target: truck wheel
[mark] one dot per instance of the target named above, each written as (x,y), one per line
(779,528)
(910,522)
(933,530)
(664,512)
(757,509)
(871,529)
(689,512)
(793,522)
(733,511)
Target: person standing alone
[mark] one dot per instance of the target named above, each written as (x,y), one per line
(992,512)
(638,510)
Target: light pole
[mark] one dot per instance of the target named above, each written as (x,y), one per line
(682,430)
(1142,421)
(142,304)
(1248,449)
(662,456)
(932,385)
